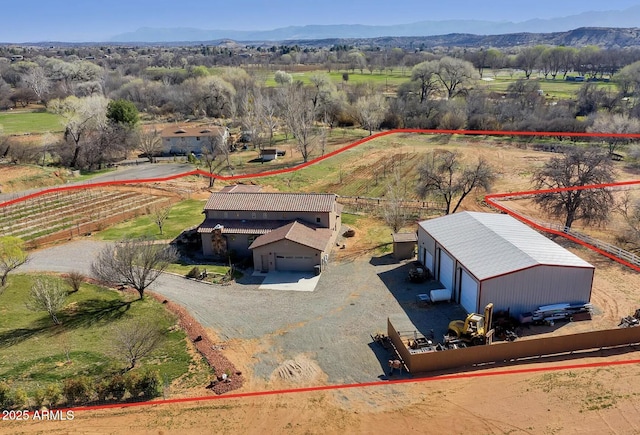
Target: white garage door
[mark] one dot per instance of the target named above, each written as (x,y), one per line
(445,273)
(468,292)
(298,263)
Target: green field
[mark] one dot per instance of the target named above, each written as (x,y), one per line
(22,122)
(391,79)
(33,351)
(183,215)
(555,89)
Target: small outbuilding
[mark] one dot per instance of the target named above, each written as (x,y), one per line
(404,245)
(488,257)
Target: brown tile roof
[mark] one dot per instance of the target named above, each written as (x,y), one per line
(177,131)
(298,232)
(262,201)
(233,226)
(241,188)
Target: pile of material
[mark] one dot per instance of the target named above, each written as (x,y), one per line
(629,321)
(549,314)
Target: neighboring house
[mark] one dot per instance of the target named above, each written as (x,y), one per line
(280,231)
(487,257)
(185,140)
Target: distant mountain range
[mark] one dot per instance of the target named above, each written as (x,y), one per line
(627,18)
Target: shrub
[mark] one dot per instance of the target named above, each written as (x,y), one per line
(40,397)
(148,384)
(194,272)
(102,390)
(151,384)
(116,387)
(78,389)
(133,384)
(5,396)
(53,394)
(20,399)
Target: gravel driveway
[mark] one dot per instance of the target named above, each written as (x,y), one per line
(331,325)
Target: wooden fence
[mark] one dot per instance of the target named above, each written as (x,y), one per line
(414,208)
(417,361)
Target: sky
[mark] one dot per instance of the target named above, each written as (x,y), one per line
(98,20)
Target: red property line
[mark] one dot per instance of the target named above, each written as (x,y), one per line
(324,157)
(490,200)
(362,385)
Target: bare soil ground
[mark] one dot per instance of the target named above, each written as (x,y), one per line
(569,400)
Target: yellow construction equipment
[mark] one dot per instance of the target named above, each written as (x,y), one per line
(474,329)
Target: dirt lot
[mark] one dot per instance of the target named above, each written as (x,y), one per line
(568,400)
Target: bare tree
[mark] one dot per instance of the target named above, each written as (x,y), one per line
(136,339)
(577,167)
(614,123)
(528,59)
(74,280)
(424,74)
(444,174)
(12,255)
(371,111)
(133,262)
(454,74)
(37,80)
(47,295)
(215,153)
(269,115)
(299,115)
(393,212)
(150,143)
(81,116)
(159,214)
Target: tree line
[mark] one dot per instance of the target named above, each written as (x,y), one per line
(444,91)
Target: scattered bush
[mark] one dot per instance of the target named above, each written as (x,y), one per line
(147,384)
(79,389)
(53,394)
(20,399)
(5,396)
(102,390)
(116,387)
(40,397)
(194,272)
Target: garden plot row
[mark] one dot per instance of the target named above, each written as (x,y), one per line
(40,203)
(59,207)
(70,215)
(66,213)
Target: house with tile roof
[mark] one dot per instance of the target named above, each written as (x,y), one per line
(178,140)
(279,231)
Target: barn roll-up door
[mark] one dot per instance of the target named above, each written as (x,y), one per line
(445,270)
(468,292)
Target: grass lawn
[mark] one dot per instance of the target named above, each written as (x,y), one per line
(183,215)
(18,122)
(556,89)
(33,351)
